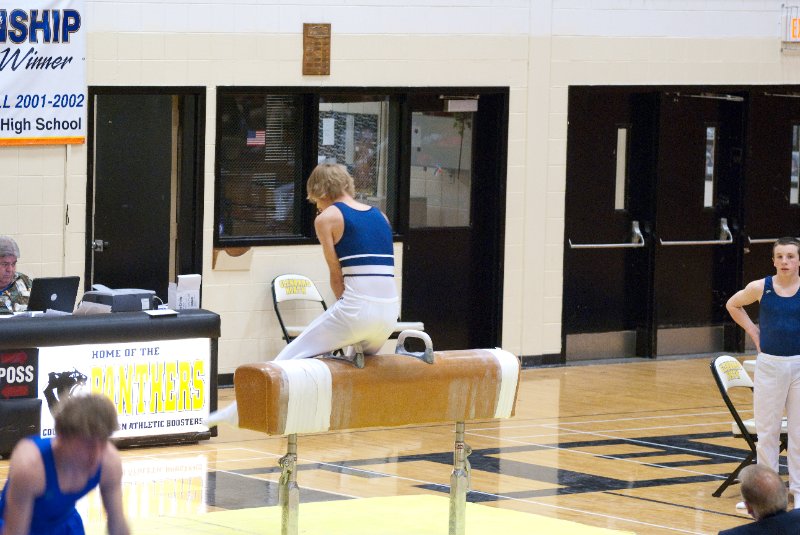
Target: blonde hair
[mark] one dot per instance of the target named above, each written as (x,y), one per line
(86,416)
(329,181)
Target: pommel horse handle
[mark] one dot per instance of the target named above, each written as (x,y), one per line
(425,356)
(400,348)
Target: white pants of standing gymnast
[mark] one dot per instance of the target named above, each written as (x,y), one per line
(777,390)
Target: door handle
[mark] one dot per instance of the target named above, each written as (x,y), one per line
(725,237)
(761,240)
(637,240)
(99,245)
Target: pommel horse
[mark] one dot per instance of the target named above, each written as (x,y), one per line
(406,388)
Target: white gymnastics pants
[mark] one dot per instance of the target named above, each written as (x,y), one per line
(354,319)
(777,389)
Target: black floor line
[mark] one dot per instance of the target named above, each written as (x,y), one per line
(673,504)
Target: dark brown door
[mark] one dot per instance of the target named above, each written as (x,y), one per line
(452,255)
(146,192)
(770,207)
(667,163)
(697,260)
(608,247)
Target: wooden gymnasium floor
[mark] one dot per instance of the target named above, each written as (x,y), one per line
(631,447)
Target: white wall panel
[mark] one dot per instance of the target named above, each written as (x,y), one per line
(537,48)
(363,17)
(667,18)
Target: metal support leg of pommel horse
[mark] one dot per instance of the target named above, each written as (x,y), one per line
(459,483)
(288,491)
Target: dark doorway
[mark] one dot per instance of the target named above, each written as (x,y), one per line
(609,212)
(771,206)
(452,256)
(145,225)
(697,261)
(653,210)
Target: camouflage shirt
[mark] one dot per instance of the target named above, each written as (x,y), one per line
(15,297)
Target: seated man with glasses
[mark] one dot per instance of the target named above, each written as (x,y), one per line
(15,288)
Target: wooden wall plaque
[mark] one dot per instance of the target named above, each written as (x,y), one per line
(316,49)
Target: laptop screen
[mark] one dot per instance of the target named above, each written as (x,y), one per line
(56,293)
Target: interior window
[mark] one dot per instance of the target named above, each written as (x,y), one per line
(362,134)
(621,169)
(711,152)
(794,177)
(268,143)
(441,169)
(259,161)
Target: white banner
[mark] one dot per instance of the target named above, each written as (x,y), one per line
(43,96)
(159,388)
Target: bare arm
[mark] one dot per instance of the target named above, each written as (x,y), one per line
(26,483)
(111,492)
(329,226)
(735,305)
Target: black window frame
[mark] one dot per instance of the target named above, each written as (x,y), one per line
(306,230)
(311,97)
(421,98)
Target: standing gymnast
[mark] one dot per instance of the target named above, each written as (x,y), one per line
(777,340)
(357,244)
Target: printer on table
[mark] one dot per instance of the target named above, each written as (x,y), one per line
(121,300)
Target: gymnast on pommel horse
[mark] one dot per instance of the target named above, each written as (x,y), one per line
(357,244)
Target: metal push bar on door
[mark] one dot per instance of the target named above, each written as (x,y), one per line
(637,240)
(753,241)
(725,237)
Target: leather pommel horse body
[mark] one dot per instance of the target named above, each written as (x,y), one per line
(329,394)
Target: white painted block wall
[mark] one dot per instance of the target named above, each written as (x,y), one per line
(535,47)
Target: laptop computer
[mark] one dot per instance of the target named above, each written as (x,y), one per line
(57,293)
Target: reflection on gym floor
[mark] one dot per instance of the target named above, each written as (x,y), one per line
(633,447)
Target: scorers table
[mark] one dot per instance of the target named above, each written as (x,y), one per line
(160,372)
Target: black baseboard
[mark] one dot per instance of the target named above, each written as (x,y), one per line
(534,361)
(225,380)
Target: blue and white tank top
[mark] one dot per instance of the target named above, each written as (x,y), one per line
(779,322)
(366,252)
